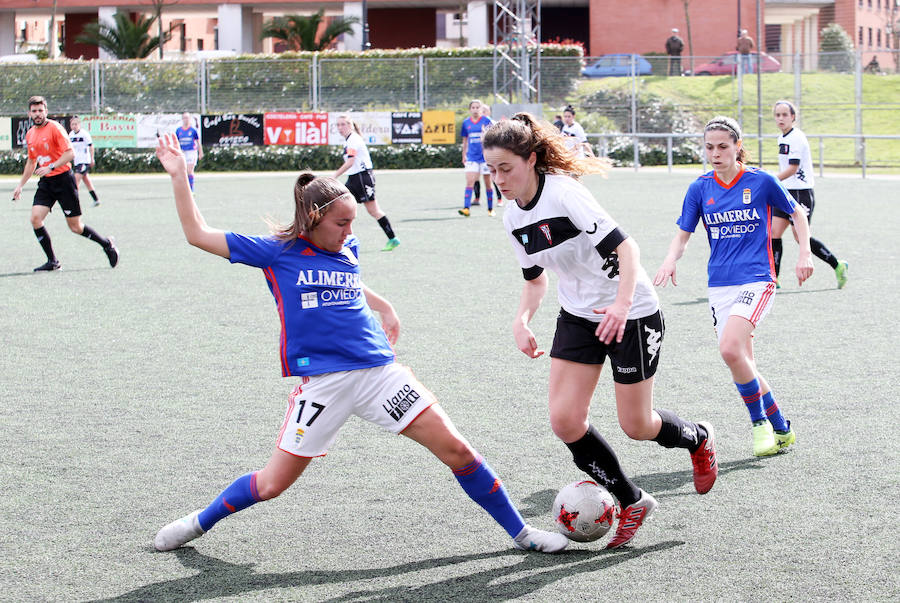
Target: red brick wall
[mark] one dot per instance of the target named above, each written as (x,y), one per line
(642,26)
(402,27)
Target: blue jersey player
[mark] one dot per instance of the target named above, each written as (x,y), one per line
(473,156)
(735,204)
(341,352)
(189,141)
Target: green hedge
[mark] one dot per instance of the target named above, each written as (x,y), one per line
(256,159)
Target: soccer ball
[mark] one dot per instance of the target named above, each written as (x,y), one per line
(584,511)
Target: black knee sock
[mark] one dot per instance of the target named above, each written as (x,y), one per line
(476,189)
(43,238)
(820,251)
(90,233)
(386,226)
(593,455)
(776,255)
(93,195)
(678,433)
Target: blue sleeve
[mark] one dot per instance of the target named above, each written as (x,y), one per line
(252,251)
(195,135)
(463,129)
(778,197)
(690,209)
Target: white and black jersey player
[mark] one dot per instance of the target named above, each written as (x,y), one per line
(576,139)
(360,179)
(608,309)
(83,145)
(795,170)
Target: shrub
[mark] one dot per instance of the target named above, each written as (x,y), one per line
(837,49)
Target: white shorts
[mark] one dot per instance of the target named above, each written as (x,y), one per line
(751,301)
(477,166)
(389,396)
(191,157)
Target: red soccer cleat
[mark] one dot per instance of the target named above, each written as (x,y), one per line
(631,518)
(706,467)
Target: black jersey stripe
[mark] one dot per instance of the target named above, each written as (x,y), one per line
(609,243)
(545,234)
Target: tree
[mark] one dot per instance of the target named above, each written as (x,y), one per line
(837,49)
(126,39)
(158,6)
(299,31)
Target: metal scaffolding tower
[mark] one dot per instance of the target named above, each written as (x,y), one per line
(517,34)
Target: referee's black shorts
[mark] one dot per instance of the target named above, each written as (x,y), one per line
(633,360)
(60,188)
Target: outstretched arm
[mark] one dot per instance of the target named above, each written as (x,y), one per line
(676,250)
(804,257)
(389,320)
(532,293)
(195,229)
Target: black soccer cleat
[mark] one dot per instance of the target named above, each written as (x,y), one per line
(49,266)
(112,253)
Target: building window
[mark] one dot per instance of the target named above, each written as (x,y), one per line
(860,35)
(870,37)
(878,38)
(199,43)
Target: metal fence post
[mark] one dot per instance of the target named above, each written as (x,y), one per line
(797,83)
(858,113)
(95,86)
(862,151)
(314,81)
(821,157)
(421,82)
(669,152)
(637,153)
(204,91)
(740,91)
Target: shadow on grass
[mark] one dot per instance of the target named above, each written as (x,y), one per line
(40,272)
(444,219)
(217,578)
(660,485)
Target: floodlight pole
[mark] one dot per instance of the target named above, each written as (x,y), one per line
(365,26)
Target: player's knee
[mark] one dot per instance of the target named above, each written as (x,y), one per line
(731,352)
(36,221)
(457,454)
(269,489)
(568,428)
(637,428)
(76,227)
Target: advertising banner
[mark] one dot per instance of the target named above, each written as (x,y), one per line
(439,127)
(374,127)
(288,128)
(406,127)
(5,133)
(232,130)
(116,131)
(19,126)
(149,127)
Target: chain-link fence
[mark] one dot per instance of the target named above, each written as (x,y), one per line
(614,95)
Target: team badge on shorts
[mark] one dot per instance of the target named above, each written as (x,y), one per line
(746,196)
(298,436)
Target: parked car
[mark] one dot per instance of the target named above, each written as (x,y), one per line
(727,65)
(610,65)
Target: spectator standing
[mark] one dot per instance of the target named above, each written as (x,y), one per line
(745,47)
(674,46)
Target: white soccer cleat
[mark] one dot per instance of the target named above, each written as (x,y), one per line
(179,532)
(533,539)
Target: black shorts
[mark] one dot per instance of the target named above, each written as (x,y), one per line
(633,360)
(807,200)
(60,188)
(82,168)
(362,186)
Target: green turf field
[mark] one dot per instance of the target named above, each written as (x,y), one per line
(132,396)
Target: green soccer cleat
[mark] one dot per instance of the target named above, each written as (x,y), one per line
(841,273)
(783,439)
(764,439)
(391,245)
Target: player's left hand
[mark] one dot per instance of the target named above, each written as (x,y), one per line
(613,324)
(804,268)
(42,171)
(170,155)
